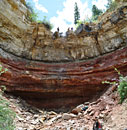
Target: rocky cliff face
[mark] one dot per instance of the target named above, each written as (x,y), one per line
(53,71)
(34,41)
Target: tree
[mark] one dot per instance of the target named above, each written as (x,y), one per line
(109,4)
(112,4)
(96,12)
(76,14)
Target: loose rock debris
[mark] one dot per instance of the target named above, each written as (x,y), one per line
(80,118)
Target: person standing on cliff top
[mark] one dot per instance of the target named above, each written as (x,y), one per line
(58,29)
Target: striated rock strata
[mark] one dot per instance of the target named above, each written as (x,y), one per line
(53,71)
(61,85)
(33,41)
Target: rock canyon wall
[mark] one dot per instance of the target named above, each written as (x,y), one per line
(53,71)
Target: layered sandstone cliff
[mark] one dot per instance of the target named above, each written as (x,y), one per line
(53,71)
(33,41)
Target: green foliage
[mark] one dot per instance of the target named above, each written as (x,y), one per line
(47,24)
(6,114)
(108,82)
(96,12)
(2,70)
(112,5)
(76,14)
(122,89)
(86,21)
(79,22)
(33,15)
(122,86)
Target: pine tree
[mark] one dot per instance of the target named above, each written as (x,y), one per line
(112,4)
(96,12)
(76,14)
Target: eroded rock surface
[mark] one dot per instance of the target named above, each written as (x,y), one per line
(35,59)
(61,85)
(34,41)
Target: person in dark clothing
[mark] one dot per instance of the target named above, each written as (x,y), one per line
(58,29)
(97,125)
(87,28)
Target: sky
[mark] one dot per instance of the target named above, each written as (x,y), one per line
(61,12)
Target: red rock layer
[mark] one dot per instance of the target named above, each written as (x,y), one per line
(61,85)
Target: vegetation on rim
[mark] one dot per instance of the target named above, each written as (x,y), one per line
(33,16)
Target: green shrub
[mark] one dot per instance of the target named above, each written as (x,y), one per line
(122,86)
(6,114)
(2,70)
(33,15)
(79,22)
(47,24)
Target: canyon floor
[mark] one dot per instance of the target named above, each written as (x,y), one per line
(111,114)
